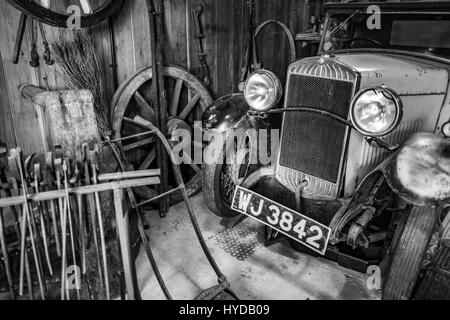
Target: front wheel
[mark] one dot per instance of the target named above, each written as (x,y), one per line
(409,246)
(220,179)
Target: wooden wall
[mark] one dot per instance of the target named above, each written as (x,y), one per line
(225,25)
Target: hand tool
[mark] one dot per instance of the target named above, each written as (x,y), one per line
(26,220)
(203,73)
(81,217)
(48,178)
(34,62)
(93,157)
(91,209)
(14,189)
(156,13)
(14,210)
(28,275)
(25,252)
(47,53)
(34,227)
(19,38)
(61,163)
(71,230)
(64,250)
(37,176)
(16,214)
(251,58)
(12,174)
(4,248)
(58,173)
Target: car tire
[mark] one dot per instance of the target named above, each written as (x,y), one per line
(212,191)
(408,253)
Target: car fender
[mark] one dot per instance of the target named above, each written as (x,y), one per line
(419,172)
(225,113)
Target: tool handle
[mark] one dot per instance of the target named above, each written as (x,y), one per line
(196,12)
(19,38)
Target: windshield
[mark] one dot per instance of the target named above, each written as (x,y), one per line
(420,33)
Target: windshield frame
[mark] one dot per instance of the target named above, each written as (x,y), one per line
(331,12)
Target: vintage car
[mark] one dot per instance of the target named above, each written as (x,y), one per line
(362,172)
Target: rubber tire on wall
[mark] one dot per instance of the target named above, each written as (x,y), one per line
(57,19)
(408,254)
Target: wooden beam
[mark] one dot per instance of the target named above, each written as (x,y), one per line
(57,194)
(122,222)
(129,175)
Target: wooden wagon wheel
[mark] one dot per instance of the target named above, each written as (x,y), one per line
(95,11)
(187,99)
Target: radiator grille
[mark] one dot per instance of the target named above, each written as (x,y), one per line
(313,143)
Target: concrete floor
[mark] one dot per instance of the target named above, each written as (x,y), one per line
(254,271)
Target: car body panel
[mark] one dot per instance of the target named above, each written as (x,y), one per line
(420,171)
(225,113)
(422,87)
(405,76)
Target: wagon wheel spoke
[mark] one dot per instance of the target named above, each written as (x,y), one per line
(131,123)
(183,115)
(138,144)
(185,103)
(45,3)
(176,97)
(148,160)
(145,108)
(86,6)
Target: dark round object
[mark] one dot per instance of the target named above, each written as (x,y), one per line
(57,19)
(408,250)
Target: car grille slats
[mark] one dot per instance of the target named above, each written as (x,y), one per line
(318,139)
(313,144)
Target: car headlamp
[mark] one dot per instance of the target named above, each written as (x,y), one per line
(262,90)
(446,129)
(376,111)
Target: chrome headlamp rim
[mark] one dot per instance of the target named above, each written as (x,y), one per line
(398,104)
(276,84)
(445,129)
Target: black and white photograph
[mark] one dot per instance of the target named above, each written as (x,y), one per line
(225,155)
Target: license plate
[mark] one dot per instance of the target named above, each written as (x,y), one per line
(308,232)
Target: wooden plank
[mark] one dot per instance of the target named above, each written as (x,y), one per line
(140,34)
(222,42)
(24,113)
(7,129)
(209,31)
(125,46)
(102,39)
(235,44)
(176,32)
(122,221)
(129,175)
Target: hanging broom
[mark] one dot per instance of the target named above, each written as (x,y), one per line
(76,54)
